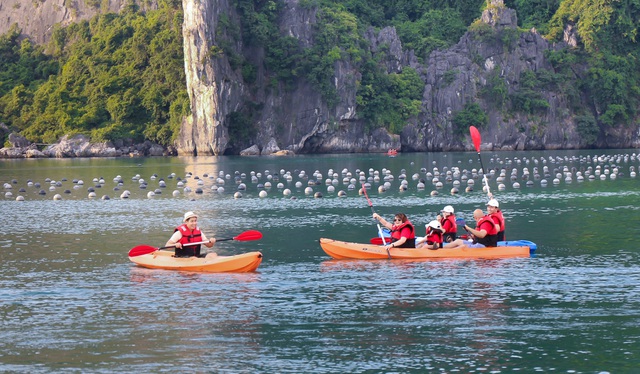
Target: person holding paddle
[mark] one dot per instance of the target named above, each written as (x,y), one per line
(403,234)
(484,235)
(493,210)
(492,206)
(189,232)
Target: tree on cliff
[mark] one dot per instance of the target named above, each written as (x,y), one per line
(118,76)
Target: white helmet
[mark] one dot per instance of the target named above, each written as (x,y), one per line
(435,225)
(494,203)
(448,209)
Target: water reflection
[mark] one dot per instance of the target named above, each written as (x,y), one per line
(145,275)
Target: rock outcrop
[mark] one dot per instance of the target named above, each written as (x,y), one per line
(78,146)
(301,121)
(215,89)
(37,19)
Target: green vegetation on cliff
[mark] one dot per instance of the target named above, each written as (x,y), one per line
(118,76)
(384,99)
(121,76)
(608,32)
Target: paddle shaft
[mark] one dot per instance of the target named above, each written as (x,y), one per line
(364,189)
(224,240)
(198,243)
(187,244)
(373,211)
(475,137)
(484,176)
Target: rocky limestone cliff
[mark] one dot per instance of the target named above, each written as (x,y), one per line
(215,90)
(442,99)
(36,19)
(297,118)
(300,120)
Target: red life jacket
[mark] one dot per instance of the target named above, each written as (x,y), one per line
(396,234)
(188,236)
(487,224)
(450,228)
(434,236)
(498,218)
(449,224)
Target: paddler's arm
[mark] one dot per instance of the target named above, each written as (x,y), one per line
(382,220)
(398,242)
(210,243)
(174,240)
(476,233)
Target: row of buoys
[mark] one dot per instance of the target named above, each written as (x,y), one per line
(500,172)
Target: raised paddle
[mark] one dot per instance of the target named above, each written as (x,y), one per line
(475,136)
(382,240)
(146,249)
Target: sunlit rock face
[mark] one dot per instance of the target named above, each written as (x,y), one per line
(37,18)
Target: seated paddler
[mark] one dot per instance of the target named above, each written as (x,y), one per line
(189,232)
(485,233)
(403,234)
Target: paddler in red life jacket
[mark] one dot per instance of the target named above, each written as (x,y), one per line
(448,222)
(189,232)
(493,210)
(403,234)
(434,237)
(484,235)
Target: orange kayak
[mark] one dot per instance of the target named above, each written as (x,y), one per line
(242,263)
(346,250)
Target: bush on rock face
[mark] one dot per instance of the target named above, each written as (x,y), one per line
(117,76)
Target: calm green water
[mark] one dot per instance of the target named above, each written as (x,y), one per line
(70,300)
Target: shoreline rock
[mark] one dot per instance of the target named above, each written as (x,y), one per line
(70,146)
(271,149)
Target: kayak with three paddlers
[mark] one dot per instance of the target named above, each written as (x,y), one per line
(348,250)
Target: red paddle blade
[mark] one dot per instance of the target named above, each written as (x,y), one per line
(141,250)
(475,136)
(249,235)
(378,241)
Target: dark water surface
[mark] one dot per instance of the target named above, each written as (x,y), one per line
(71,301)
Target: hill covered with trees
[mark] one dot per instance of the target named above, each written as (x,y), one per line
(122,76)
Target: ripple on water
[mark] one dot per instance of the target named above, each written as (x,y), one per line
(71,300)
